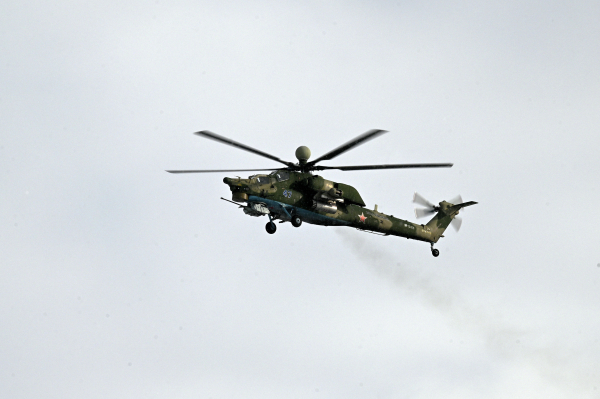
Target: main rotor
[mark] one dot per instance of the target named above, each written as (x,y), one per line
(303,155)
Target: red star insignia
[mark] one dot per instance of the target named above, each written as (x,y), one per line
(362,217)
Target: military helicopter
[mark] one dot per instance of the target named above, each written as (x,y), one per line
(294,194)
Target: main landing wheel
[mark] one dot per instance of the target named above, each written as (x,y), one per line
(271,227)
(296,221)
(435,252)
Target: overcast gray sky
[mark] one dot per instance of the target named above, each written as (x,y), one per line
(118,280)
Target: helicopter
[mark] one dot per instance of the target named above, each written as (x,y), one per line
(293,193)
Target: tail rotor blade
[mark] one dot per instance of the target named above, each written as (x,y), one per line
(418,199)
(421,213)
(456,200)
(456,223)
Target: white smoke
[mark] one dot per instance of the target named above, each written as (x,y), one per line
(553,369)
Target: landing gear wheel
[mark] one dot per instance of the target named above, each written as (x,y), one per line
(271,228)
(435,252)
(296,221)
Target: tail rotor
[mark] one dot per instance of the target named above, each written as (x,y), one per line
(430,209)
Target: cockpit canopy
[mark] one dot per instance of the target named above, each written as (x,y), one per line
(263,180)
(281,175)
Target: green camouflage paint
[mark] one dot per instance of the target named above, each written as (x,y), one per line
(304,189)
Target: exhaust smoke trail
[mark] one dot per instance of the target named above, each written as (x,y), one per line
(555,369)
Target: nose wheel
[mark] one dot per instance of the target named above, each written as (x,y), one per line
(435,252)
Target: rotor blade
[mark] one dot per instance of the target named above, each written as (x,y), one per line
(220,170)
(456,200)
(456,223)
(390,166)
(225,140)
(418,199)
(363,138)
(421,213)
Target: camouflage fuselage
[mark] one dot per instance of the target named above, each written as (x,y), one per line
(323,202)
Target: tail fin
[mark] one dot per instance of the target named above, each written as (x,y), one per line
(446,213)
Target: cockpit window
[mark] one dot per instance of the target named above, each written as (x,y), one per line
(263,180)
(282,175)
